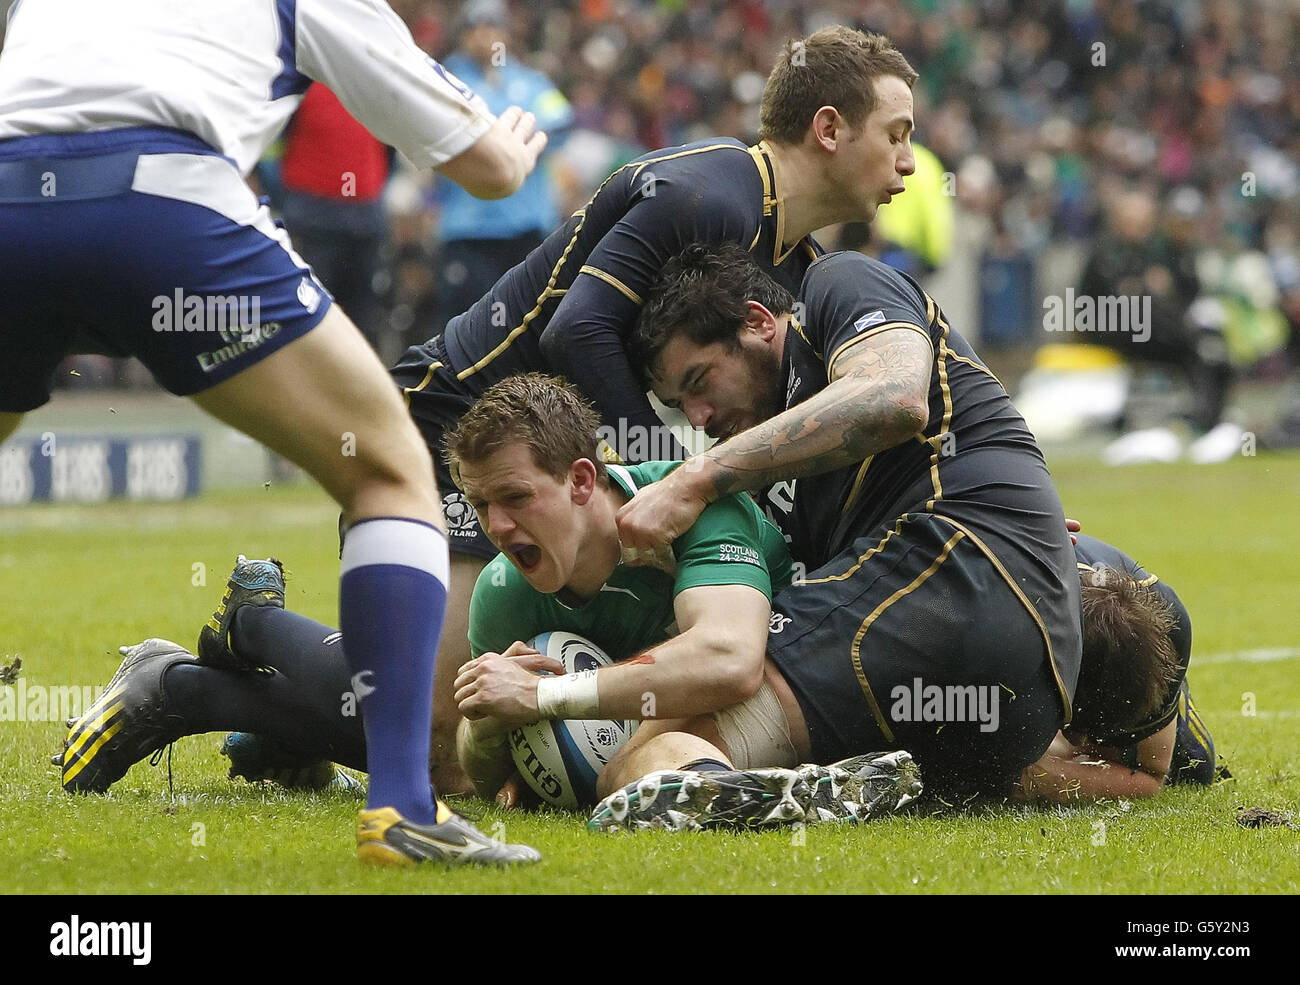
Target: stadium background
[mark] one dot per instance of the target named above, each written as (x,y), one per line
(1041,116)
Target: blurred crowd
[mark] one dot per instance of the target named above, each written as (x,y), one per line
(1049,118)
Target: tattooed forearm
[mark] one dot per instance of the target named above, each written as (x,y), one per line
(878,400)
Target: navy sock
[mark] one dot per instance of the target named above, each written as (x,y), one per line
(306,707)
(392,599)
(708,766)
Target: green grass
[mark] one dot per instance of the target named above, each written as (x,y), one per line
(76,582)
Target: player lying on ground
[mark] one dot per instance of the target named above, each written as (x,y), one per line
(529,456)
(125,134)
(1134,728)
(1126,611)
(835,123)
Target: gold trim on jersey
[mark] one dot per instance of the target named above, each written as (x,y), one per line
(1192,717)
(1029,607)
(856,649)
(408,390)
(612,281)
(975,365)
(794,322)
(936,442)
(767,174)
(638,165)
(853,568)
(766,164)
(876,330)
(857,486)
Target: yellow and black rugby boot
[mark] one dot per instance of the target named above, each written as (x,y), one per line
(251,583)
(384,837)
(128,722)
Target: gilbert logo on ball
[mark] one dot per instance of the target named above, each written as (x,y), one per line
(560,760)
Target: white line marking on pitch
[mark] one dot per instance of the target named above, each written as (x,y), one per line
(1267,655)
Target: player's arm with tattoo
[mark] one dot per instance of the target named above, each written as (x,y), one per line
(878,397)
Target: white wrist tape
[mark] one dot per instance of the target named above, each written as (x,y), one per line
(568,696)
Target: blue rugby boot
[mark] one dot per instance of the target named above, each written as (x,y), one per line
(255,758)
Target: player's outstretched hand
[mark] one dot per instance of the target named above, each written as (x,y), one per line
(652,519)
(500,160)
(503,685)
(521,126)
(517,130)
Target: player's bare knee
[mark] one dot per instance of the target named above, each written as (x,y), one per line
(392,475)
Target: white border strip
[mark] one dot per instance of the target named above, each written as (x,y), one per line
(1261,656)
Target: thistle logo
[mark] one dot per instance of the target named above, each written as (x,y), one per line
(101,939)
(462,521)
(308,296)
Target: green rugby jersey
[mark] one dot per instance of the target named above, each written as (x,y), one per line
(732,543)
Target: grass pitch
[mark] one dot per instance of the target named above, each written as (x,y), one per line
(77,582)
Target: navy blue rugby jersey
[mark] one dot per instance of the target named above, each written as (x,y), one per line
(571,304)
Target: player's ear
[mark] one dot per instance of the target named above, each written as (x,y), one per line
(582,481)
(826,126)
(760,321)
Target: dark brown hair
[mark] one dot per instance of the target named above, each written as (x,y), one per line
(836,66)
(702,293)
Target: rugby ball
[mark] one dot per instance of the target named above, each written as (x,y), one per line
(560,760)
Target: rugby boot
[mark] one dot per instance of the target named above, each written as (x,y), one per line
(128,722)
(684,800)
(386,838)
(251,583)
(861,788)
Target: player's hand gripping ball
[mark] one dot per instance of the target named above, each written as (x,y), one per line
(560,760)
